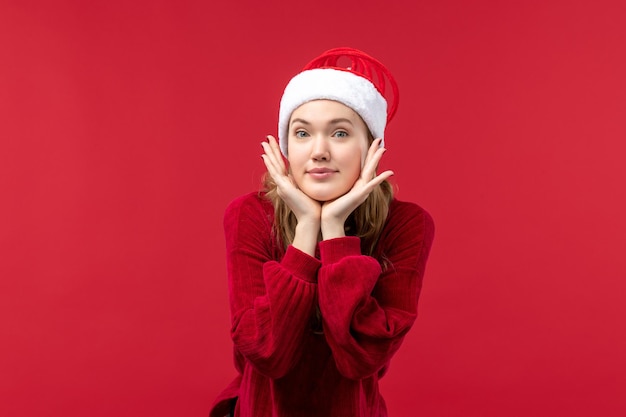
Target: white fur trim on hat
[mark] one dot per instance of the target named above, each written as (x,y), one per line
(346,87)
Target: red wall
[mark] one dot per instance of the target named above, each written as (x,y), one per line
(126,127)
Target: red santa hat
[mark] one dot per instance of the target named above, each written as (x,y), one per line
(360,85)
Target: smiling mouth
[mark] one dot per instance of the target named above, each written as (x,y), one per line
(320,170)
(321,173)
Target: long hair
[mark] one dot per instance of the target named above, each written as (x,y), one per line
(366,222)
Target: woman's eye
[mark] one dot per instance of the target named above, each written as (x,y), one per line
(341,134)
(300,134)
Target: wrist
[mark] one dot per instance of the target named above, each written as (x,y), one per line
(307,226)
(305,237)
(332,229)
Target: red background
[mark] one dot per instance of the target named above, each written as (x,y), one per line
(126,128)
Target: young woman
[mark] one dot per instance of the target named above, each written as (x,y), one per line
(324,265)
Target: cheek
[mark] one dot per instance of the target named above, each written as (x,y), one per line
(296,167)
(364,149)
(298,154)
(356,166)
(295,156)
(294,160)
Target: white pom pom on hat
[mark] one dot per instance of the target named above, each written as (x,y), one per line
(360,86)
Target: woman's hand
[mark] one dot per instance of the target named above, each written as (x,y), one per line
(336,212)
(307,211)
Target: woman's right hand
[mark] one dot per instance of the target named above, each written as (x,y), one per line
(308,212)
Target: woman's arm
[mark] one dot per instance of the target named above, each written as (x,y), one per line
(306,210)
(335,213)
(366,312)
(271,302)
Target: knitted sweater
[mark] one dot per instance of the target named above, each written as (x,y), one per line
(289,366)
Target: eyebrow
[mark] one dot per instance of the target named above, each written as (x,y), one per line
(332,122)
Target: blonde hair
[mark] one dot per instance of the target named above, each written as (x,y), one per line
(366,221)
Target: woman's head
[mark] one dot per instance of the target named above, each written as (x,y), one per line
(329,116)
(327,143)
(347,76)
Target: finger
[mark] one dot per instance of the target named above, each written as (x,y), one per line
(372,150)
(277,152)
(271,168)
(377,180)
(369,170)
(383,176)
(271,157)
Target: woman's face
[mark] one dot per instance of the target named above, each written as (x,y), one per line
(327,144)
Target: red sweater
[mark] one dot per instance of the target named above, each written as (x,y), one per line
(286,367)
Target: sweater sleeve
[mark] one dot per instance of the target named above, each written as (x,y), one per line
(271,302)
(367,311)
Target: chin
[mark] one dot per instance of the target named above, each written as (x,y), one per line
(323,196)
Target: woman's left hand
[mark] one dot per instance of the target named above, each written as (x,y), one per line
(336,212)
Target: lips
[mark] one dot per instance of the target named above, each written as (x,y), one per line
(320,170)
(321,173)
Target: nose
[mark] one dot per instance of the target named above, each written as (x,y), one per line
(320,151)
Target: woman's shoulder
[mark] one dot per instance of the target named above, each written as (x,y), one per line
(251,206)
(248,223)
(402,210)
(408,216)
(255,200)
